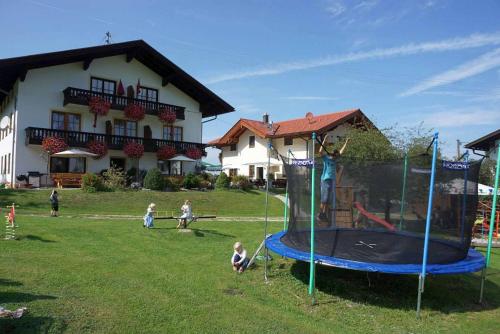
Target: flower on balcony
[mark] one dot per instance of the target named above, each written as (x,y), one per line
(98,147)
(99,106)
(167,116)
(133,150)
(134,112)
(166,152)
(53,145)
(194,153)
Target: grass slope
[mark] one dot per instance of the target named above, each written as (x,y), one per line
(82,275)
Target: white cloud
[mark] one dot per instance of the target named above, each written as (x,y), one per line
(310,98)
(476,66)
(463,117)
(472,41)
(366,5)
(335,8)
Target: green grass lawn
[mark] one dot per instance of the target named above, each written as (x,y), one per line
(83,275)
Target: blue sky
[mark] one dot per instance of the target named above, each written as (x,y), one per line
(401,62)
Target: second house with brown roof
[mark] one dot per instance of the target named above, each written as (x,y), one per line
(244,146)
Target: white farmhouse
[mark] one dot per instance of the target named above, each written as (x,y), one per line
(244,146)
(48,95)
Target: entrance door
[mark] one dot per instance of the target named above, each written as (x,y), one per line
(260,173)
(117,162)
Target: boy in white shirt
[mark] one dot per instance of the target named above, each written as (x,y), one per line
(239,260)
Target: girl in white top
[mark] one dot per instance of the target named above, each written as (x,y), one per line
(149,217)
(239,259)
(187,214)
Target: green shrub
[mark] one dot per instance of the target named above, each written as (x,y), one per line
(92,182)
(205,184)
(191,181)
(115,178)
(241,182)
(222,181)
(154,180)
(174,183)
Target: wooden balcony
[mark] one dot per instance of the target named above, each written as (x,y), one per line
(35,136)
(81,97)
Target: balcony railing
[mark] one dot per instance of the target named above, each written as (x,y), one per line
(35,136)
(82,96)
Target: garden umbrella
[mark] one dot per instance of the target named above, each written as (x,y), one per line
(74,153)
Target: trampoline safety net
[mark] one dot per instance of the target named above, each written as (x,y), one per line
(375,211)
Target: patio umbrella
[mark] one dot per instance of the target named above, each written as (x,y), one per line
(180,157)
(74,153)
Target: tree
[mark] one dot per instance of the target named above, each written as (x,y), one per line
(222,182)
(154,180)
(487,172)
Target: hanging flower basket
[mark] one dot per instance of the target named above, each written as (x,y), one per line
(194,153)
(133,150)
(53,145)
(99,106)
(134,112)
(166,152)
(167,116)
(98,147)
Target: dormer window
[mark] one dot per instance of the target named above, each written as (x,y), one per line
(148,94)
(233,147)
(288,141)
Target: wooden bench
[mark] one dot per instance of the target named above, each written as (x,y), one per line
(67,179)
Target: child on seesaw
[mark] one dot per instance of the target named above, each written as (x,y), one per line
(239,260)
(187,214)
(149,217)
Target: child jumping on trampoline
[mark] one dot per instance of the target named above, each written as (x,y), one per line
(187,214)
(329,169)
(149,217)
(239,260)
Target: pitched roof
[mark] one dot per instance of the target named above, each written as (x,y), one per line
(289,128)
(210,104)
(485,143)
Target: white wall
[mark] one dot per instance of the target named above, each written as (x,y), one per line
(41,93)
(6,148)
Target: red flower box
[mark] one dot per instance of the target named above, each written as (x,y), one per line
(194,153)
(167,116)
(166,152)
(99,106)
(53,145)
(98,147)
(134,112)
(133,150)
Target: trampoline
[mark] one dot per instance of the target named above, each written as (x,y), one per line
(409,216)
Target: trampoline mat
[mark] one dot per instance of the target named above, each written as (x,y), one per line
(375,246)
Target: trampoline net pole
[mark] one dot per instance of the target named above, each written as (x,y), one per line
(428,220)
(464,201)
(285,218)
(267,205)
(401,215)
(313,177)
(493,207)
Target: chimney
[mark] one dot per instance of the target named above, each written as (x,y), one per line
(265,118)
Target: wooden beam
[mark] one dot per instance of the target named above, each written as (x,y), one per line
(86,63)
(22,75)
(130,56)
(166,79)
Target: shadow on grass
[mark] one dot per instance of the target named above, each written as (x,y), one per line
(31,237)
(201,233)
(445,294)
(9,282)
(30,324)
(21,297)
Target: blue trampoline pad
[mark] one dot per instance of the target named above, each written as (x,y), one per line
(472,263)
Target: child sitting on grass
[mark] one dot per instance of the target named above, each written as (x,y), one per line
(239,259)
(187,214)
(149,217)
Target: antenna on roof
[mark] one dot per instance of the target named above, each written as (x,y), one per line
(107,38)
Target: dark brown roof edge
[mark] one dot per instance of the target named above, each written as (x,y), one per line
(484,143)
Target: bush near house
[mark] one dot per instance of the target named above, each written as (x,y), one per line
(241,182)
(222,181)
(174,183)
(154,180)
(92,182)
(191,181)
(115,179)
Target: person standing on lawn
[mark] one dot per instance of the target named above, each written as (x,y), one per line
(327,177)
(54,203)
(149,217)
